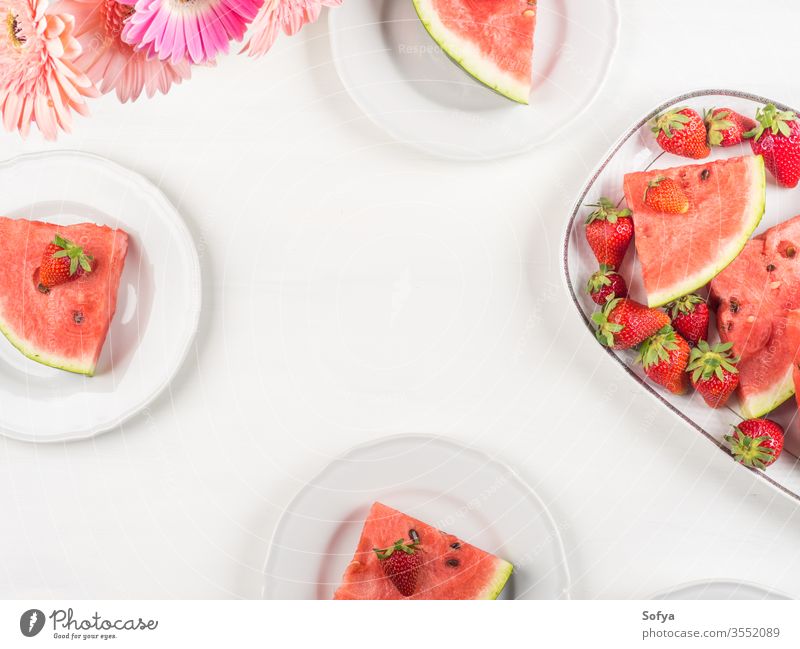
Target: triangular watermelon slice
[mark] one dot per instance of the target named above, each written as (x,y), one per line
(491,39)
(679,253)
(757,299)
(452,568)
(67,326)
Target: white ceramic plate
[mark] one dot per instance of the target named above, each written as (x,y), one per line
(408,86)
(638,150)
(433,479)
(720,589)
(158,305)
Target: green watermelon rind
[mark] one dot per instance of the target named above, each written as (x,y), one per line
(58,363)
(758,405)
(499,580)
(758,200)
(465,54)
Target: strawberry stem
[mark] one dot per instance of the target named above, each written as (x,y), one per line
(398,546)
(772,119)
(750,451)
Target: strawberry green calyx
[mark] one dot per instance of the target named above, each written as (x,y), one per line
(683,305)
(600,278)
(605,210)
(772,119)
(75,254)
(716,124)
(606,329)
(399,546)
(656,349)
(652,184)
(672,120)
(753,452)
(706,361)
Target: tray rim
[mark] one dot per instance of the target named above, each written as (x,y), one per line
(579,204)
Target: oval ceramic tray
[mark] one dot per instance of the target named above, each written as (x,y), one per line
(637,150)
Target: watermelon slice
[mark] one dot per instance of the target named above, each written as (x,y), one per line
(758,309)
(491,39)
(452,569)
(679,253)
(67,326)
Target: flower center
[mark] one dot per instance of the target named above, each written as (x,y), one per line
(18,39)
(114,16)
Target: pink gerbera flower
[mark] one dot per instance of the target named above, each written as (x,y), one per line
(183,29)
(38,78)
(109,61)
(288,15)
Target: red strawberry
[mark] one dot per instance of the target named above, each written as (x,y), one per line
(690,317)
(665,195)
(624,323)
(777,138)
(62,261)
(664,358)
(401,563)
(756,442)
(683,132)
(604,283)
(713,371)
(609,232)
(726,127)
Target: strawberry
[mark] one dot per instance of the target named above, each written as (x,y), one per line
(690,317)
(776,137)
(62,261)
(606,283)
(609,232)
(726,127)
(683,132)
(665,195)
(664,358)
(713,371)
(624,323)
(401,563)
(756,442)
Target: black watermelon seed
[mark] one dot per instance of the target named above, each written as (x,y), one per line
(43,289)
(456,545)
(770,267)
(705,174)
(77,316)
(413,535)
(734,305)
(452,563)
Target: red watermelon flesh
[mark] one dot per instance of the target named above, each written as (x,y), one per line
(758,309)
(452,568)
(66,327)
(491,39)
(679,253)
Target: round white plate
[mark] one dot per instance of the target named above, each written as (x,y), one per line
(408,86)
(720,589)
(158,305)
(433,479)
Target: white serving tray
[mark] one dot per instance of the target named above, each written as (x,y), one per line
(637,150)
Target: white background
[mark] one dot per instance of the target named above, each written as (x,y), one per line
(355,288)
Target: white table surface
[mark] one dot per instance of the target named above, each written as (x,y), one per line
(355,288)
